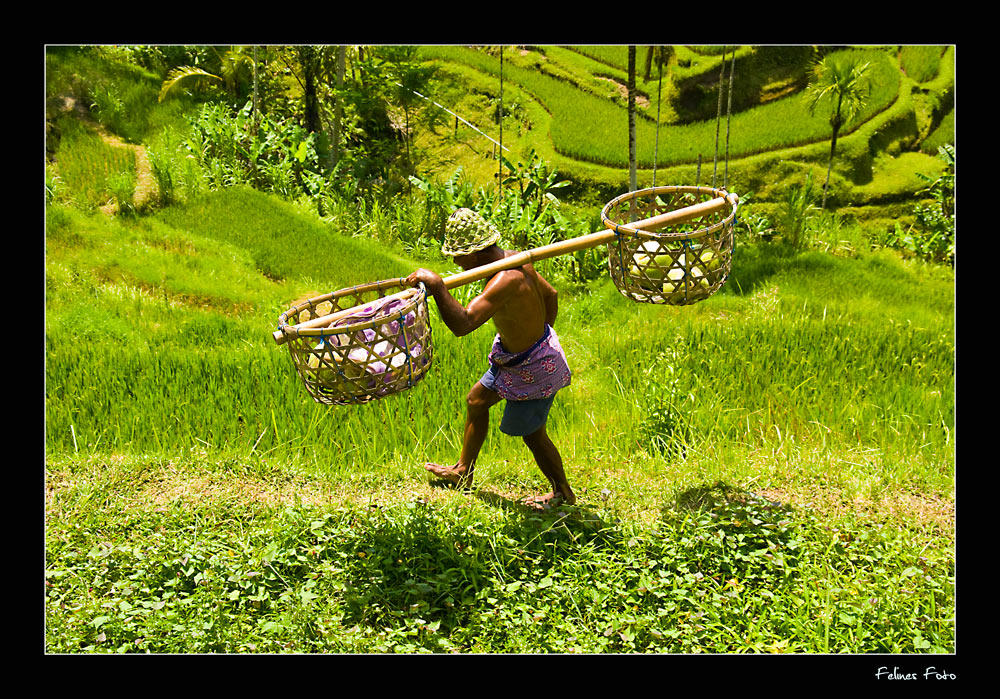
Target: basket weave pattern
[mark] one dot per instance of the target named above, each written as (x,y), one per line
(676,265)
(381,348)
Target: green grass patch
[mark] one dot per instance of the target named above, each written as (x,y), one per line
(922,63)
(141,556)
(285,242)
(943,134)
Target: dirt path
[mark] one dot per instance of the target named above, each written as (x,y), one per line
(145,184)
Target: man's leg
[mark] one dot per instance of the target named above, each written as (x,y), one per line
(550,462)
(477,424)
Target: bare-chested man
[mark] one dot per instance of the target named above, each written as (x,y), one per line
(527,364)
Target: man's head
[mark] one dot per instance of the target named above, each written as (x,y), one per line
(466,234)
(479,258)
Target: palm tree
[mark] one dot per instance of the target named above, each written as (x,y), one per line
(839,83)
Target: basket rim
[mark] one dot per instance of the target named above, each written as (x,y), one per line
(413,297)
(683,235)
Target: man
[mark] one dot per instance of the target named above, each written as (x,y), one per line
(527,364)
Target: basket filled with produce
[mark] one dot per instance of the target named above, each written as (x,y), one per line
(360,343)
(677,264)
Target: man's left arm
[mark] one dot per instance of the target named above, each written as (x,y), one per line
(550,297)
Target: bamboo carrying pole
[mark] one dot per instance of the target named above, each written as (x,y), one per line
(563,247)
(323,321)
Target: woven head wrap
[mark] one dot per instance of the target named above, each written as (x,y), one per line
(467,232)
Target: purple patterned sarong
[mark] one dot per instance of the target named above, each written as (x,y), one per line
(538,372)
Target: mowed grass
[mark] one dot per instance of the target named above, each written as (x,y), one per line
(771,470)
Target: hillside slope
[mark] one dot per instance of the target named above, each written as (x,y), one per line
(554,105)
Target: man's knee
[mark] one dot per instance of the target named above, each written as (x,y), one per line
(537,439)
(480,399)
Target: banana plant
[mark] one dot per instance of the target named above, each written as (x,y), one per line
(535,180)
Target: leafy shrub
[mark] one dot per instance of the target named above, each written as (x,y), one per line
(938,219)
(122,188)
(271,154)
(932,236)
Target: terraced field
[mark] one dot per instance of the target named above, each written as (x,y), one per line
(569,104)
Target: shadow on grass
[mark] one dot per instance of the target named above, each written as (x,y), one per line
(583,513)
(728,531)
(721,496)
(755,264)
(419,566)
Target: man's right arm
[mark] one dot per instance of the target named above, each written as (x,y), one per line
(461,320)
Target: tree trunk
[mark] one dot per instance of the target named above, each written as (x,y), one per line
(632,181)
(500,152)
(833,148)
(338,107)
(308,60)
(829,168)
(255,122)
(256,118)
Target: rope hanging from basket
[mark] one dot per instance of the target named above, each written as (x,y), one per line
(659,100)
(676,266)
(718,115)
(500,152)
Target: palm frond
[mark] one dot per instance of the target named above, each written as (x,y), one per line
(184,77)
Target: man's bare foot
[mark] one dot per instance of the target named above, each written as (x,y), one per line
(457,475)
(548,501)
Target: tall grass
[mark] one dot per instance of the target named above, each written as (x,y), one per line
(284,241)
(165,340)
(88,166)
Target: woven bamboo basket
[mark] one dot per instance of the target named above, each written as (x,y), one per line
(361,343)
(677,264)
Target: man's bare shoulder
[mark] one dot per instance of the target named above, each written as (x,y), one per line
(506,279)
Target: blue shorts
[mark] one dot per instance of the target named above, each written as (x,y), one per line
(520,417)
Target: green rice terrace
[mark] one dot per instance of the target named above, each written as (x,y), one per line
(768,470)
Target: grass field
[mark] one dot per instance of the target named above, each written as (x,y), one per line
(770,471)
